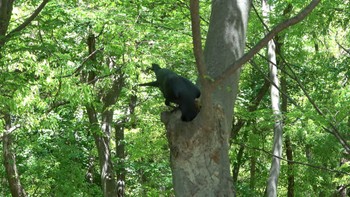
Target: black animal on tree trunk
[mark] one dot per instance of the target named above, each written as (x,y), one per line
(177,89)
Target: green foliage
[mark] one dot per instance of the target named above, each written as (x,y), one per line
(321,65)
(42,90)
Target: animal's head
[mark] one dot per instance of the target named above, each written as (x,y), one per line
(155,67)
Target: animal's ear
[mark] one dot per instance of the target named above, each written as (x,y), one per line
(155,67)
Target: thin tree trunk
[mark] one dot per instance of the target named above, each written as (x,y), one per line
(277,138)
(275,102)
(9,157)
(120,150)
(238,163)
(120,145)
(290,172)
(287,141)
(108,97)
(342,189)
(284,106)
(252,173)
(254,103)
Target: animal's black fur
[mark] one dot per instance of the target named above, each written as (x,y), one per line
(176,89)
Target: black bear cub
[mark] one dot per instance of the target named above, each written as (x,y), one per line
(177,89)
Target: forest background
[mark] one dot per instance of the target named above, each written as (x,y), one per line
(69,75)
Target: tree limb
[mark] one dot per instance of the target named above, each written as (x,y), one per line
(341,46)
(262,43)
(196,36)
(81,66)
(9,131)
(28,20)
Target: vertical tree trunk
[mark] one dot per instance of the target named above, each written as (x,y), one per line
(120,150)
(237,164)
(199,149)
(287,141)
(108,97)
(120,145)
(104,155)
(284,106)
(342,189)
(254,103)
(9,157)
(275,102)
(6,7)
(252,170)
(290,172)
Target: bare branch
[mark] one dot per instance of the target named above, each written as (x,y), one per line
(263,42)
(260,19)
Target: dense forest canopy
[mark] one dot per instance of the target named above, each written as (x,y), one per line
(75,122)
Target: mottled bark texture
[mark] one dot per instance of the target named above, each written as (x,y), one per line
(199,149)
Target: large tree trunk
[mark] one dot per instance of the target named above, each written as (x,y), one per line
(199,149)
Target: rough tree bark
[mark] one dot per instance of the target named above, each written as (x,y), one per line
(199,149)
(275,102)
